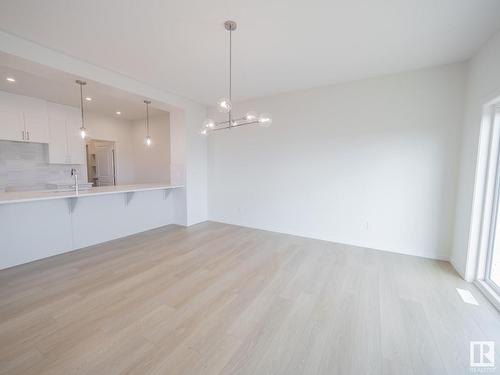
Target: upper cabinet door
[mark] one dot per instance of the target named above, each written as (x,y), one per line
(76,145)
(58,151)
(11,125)
(66,146)
(37,127)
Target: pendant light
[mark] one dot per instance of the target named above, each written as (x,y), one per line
(83,131)
(224,105)
(148,138)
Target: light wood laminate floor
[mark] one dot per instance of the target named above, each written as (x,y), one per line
(221,299)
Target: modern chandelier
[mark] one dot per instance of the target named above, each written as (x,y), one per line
(224,105)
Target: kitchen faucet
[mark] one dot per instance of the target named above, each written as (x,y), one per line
(75,175)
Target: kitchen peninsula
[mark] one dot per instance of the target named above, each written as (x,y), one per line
(39,224)
(61,190)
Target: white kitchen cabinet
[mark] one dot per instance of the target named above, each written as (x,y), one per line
(24,126)
(36,127)
(66,146)
(27,119)
(23,118)
(11,125)
(58,144)
(76,145)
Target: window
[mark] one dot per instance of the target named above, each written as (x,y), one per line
(487,203)
(492,264)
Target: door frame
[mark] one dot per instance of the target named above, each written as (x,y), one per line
(113,151)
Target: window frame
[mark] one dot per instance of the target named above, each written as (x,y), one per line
(487,201)
(495,123)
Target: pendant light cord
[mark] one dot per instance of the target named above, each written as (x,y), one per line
(81,103)
(147,119)
(230,64)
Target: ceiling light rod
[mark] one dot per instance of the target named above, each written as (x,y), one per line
(83,131)
(235,122)
(224,105)
(235,125)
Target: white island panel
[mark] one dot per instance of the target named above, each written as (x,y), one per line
(38,228)
(33,230)
(98,219)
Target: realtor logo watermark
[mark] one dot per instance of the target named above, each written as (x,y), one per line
(482,356)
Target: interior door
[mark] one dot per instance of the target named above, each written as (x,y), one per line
(105,164)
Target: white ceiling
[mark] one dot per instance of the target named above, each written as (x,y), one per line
(46,83)
(280,45)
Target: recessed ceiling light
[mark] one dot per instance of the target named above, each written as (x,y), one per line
(10,79)
(88,98)
(118,113)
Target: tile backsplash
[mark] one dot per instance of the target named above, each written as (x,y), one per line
(25,166)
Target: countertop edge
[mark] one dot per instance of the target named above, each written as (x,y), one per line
(42,195)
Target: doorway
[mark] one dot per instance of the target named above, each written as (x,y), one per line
(101,162)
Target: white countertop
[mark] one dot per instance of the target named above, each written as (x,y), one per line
(29,196)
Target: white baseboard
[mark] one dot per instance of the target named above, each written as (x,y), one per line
(435,256)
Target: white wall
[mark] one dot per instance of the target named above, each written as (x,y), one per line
(196,165)
(152,163)
(483,84)
(370,163)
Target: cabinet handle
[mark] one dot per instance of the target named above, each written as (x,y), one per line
(23,135)
(28,135)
